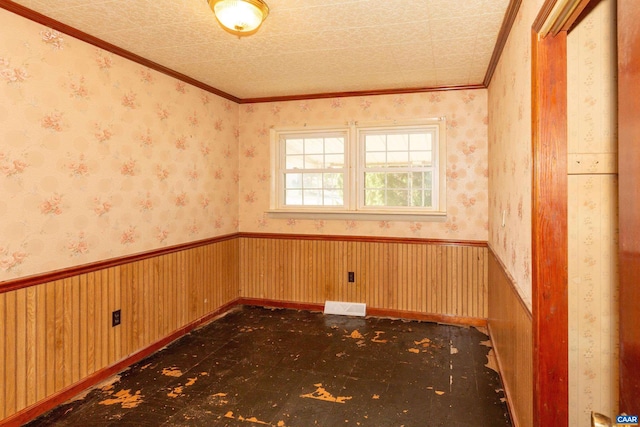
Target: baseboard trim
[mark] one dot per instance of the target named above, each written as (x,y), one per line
(372,311)
(97,377)
(427,317)
(270,303)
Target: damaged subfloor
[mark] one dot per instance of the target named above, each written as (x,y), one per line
(288,368)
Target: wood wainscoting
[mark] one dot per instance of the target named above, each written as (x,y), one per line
(57,336)
(510,328)
(437,280)
(58,339)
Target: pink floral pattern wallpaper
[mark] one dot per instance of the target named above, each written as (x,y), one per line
(593,216)
(510,152)
(101,157)
(466,165)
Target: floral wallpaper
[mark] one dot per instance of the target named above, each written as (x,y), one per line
(592,209)
(510,152)
(101,157)
(466,165)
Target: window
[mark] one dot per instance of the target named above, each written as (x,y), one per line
(314,169)
(397,171)
(377,169)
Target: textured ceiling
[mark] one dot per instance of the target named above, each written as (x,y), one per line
(304,46)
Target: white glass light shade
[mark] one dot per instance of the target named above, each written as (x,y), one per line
(240,17)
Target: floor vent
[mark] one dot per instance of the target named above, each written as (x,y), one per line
(345,308)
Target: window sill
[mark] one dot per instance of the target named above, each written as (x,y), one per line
(359,215)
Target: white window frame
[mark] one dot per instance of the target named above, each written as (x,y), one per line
(354,207)
(278,168)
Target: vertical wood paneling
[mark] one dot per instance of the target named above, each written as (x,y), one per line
(447,280)
(56,334)
(511,326)
(21,347)
(3,349)
(50,294)
(31,346)
(10,353)
(103,325)
(41,344)
(60,332)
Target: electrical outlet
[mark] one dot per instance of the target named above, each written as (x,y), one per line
(115,318)
(351,277)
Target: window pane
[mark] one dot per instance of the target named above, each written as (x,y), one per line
(312,197)
(420,158)
(376,160)
(416,198)
(375,143)
(333,197)
(428,181)
(374,180)
(420,142)
(397,142)
(312,180)
(314,146)
(428,199)
(293,180)
(334,145)
(294,162)
(334,161)
(398,159)
(333,180)
(397,180)
(293,146)
(417,179)
(314,161)
(397,198)
(293,197)
(374,198)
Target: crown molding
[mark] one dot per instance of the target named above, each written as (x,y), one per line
(88,38)
(95,41)
(503,36)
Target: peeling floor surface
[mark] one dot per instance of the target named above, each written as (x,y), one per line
(288,368)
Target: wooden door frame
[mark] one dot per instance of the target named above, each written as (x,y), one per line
(629,203)
(549,235)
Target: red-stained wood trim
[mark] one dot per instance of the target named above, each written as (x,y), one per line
(427,317)
(629,202)
(80,35)
(549,231)
(367,239)
(543,14)
(270,303)
(372,311)
(398,91)
(576,14)
(503,36)
(24,282)
(97,377)
(564,23)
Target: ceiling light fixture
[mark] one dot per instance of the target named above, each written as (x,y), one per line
(240,17)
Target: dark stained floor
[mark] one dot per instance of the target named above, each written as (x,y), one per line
(291,368)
